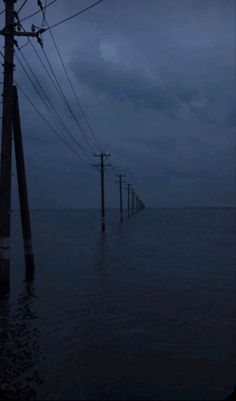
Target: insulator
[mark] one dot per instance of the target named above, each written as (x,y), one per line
(40,4)
(16,16)
(40,41)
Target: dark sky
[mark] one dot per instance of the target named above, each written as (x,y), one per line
(156,79)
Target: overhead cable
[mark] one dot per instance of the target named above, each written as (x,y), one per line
(38,11)
(73,88)
(74,15)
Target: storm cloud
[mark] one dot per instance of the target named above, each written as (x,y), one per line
(156,79)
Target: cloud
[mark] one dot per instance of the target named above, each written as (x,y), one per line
(157,82)
(116,78)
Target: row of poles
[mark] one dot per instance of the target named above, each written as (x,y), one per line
(134,203)
(11,129)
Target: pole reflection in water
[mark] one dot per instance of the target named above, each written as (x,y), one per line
(100,260)
(19,347)
(103,288)
(4,334)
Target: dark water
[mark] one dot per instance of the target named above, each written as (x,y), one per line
(145,312)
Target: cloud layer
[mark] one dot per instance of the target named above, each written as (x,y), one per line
(157,82)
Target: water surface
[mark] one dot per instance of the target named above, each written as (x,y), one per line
(146,311)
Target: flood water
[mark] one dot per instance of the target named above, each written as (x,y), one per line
(146,311)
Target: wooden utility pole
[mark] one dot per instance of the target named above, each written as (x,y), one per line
(142,206)
(128,206)
(132,201)
(102,166)
(6,145)
(23,195)
(138,204)
(120,182)
(9,33)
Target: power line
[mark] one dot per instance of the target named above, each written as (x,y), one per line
(44,67)
(81,128)
(59,90)
(46,121)
(55,114)
(66,101)
(51,127)
(37,12)
(44,118)
(74,15)
(55,84)
(72,87)
(22,6)
(39,84)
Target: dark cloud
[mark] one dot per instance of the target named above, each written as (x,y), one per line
(157,81)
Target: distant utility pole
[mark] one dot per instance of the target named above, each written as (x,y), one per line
(141,205)
(138,205)
(120,182)
(128,206)
(9,33)
(132,201)
(102,165)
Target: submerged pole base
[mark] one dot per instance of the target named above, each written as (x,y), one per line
(4,272)
(29,257)
(29,262)
(29,267)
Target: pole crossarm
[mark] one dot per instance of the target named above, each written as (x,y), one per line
(121,177)
(101,156)
(104,154)
(10,31)
(16,33)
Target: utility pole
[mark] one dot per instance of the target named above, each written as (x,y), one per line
(9,33)
(141,205)
(20,165)
(128,206)
(136,203)
(6,146)
(120,182)
(132,201)
(102,166)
